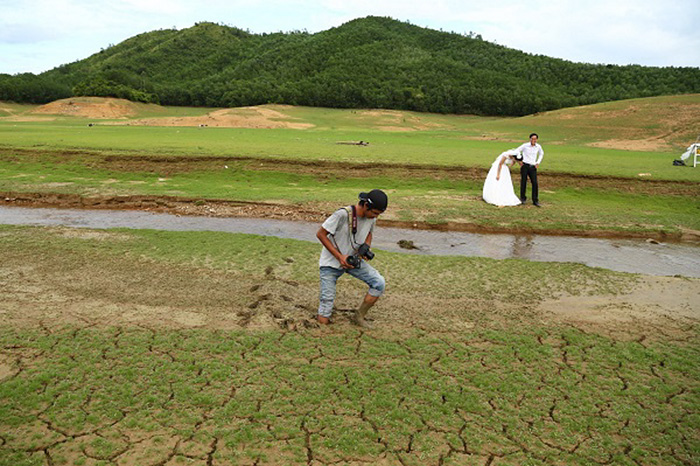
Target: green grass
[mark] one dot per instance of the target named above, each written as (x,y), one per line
(250,255)
(432,199)
(448,140)
(509,387)
(10,109)
(423,148)
(67,156)
(280,398)
(520,391)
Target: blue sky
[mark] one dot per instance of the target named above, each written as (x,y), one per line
(38,35)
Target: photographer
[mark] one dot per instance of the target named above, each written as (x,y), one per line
(346,237)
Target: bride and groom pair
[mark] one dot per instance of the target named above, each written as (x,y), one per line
(498,187)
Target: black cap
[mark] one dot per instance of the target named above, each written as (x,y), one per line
(376,199)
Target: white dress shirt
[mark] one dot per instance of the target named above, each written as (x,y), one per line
(532,155)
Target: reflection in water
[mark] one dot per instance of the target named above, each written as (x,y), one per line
(521,248)
(621,255)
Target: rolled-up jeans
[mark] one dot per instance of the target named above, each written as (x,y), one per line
(330,275)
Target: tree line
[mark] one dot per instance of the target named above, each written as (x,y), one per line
(371,62)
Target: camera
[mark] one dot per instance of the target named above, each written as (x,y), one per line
(362,251)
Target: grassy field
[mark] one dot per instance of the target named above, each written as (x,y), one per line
(432,165)
(455,146)
(137,347)
(143,347)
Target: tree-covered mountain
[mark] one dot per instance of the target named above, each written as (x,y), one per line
(372,62)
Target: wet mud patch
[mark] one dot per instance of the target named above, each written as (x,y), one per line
(315,212)
(657,307)
(71,286)
(117,356)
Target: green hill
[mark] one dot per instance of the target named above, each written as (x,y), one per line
(371,62)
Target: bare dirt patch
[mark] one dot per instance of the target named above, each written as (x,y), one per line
(396,129)
(243,117)
(398,121)
(656,305)
(649,144)
(54,289)
(89,107)
(93,235)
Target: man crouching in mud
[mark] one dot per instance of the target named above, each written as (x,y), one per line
(346,236)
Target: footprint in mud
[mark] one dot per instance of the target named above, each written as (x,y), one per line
(245,316)
(260,299)
(275,298)
(294,325)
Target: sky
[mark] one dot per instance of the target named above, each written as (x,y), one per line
(39,35)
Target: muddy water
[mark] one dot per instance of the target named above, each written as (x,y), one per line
(616,254)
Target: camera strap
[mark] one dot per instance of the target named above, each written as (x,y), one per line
(352,222)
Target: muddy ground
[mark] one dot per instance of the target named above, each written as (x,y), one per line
(657,305)
(56,290)
(315,212)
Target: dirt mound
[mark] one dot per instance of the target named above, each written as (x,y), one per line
(398,121)
(641,145)
(650,124)
(263,117)
(89,107)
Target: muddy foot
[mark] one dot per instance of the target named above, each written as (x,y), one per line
(361,322)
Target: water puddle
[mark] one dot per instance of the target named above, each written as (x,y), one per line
(623,255)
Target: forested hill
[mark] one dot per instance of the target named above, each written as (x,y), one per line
(372,62)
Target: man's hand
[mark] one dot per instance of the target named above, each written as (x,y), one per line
(344,262)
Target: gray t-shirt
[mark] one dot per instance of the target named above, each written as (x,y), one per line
(340,234)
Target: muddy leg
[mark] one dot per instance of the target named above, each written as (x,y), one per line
(361,312)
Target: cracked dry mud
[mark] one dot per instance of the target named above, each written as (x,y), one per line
(112,360)
(289,398)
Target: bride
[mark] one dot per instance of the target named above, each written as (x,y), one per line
(498,187)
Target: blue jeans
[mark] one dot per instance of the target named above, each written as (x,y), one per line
(330,275)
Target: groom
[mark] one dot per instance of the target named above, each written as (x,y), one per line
(532,156)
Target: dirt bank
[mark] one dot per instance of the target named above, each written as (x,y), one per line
(169,165)
(309,212)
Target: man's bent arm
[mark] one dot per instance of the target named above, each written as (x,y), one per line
(322,235)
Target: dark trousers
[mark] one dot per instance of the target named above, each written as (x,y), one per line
(531,171)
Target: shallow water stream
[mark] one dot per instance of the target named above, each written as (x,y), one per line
(624,255)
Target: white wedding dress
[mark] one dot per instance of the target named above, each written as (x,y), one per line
(500,192)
